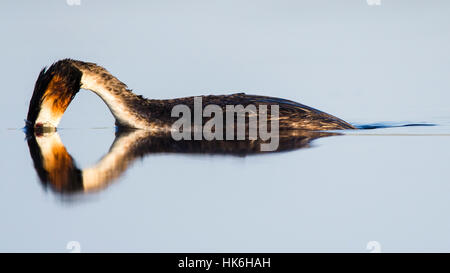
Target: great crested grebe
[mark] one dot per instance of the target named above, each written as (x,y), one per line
(57,86)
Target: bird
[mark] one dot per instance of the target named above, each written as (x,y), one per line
(57,85)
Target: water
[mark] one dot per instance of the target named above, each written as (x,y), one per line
(380,67)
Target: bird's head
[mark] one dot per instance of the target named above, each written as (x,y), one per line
(54,90)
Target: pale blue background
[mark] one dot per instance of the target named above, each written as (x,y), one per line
(362,63)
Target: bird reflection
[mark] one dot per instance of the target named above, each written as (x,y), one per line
(57,169)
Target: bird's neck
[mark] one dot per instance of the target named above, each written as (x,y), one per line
(128,108)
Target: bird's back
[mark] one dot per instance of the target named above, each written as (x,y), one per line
(291,115)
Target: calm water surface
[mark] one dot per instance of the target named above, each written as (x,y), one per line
(386,65)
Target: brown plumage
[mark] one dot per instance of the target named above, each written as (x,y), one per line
(134,111)
(292,115)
